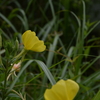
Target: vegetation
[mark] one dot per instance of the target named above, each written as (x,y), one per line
(71,51)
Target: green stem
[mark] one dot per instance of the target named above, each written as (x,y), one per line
(21,54)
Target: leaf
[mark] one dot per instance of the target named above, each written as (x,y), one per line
(97,97)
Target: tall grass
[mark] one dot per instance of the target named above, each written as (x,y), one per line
(62,59)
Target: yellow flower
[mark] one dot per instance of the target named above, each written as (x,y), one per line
(62,90)
(32,42)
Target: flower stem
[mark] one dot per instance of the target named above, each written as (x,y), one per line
(21,54)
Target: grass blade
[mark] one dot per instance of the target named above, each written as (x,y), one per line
(5,19)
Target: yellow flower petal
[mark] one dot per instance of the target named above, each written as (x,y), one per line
(27,35)
(32,42)
(62,90)
(39,46)
(72,88)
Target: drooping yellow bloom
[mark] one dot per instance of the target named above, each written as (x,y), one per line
(62,90)
(32,42)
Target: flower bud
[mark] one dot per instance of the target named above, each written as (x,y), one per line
(16,67)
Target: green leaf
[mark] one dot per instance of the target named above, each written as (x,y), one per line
(97,97)
(42,65)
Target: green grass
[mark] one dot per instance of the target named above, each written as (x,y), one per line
(67,56)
